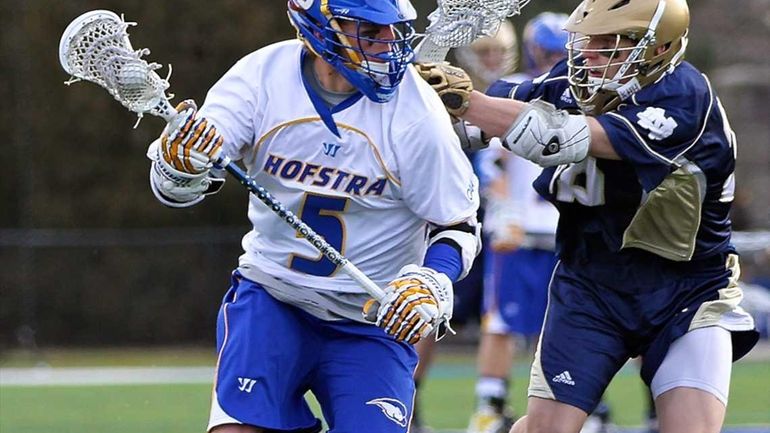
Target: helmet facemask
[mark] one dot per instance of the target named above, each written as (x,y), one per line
(601,86)
(382,71)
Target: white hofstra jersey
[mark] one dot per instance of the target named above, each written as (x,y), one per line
(370,192)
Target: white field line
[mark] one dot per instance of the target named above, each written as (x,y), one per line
(98,376)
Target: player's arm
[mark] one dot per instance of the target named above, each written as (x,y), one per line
(453,248)
(181,173)
(438,185)
(420,300)
(534,130)
(498,117)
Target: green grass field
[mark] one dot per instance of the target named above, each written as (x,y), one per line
(447,399)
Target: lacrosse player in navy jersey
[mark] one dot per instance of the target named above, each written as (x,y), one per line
(639,159)
(341,129)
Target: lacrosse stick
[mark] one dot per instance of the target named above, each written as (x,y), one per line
(456,23)
(95,47)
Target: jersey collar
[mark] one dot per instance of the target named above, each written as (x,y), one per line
(323,110)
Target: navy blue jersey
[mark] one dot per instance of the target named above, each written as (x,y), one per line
(670,194)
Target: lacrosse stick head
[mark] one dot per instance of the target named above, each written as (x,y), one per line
(95,47)
(457,23)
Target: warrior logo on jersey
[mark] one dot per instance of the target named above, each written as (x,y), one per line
(392,408)
(330,149)
(654,120)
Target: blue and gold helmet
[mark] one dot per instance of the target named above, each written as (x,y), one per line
(376,75)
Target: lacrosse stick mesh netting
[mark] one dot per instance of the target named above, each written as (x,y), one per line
(457,23)
(98,50)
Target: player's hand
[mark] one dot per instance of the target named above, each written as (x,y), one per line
(416,304)
(190,143)
(452,84)
(548,136)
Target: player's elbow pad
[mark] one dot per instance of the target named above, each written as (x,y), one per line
(177,189)
(548,136)
(465,236)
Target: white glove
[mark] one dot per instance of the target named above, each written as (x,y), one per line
(471,137)
(189,143)
(176,188)
(417,303)
(547,136)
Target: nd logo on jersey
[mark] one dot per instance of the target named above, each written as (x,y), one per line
(655,120)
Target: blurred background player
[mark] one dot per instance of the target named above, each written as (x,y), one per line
(487,59)
(340,129)
(490,58)
(520,226)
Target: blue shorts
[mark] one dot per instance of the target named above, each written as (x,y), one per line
(516,291)
(594,325)
(271,354)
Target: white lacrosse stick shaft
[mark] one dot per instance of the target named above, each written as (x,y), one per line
(95,47)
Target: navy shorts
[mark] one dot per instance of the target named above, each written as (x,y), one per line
(594,325)
(271,354)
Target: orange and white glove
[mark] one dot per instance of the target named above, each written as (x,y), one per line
(417,303)
(190,144)
(182,158)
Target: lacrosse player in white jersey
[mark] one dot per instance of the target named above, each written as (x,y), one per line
(340,128)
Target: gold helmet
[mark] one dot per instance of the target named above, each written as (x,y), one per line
(491,57)
(650,38)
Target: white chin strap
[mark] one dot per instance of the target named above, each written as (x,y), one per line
(624,90)
(596,84)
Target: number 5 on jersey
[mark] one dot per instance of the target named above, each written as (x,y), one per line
(323,214)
